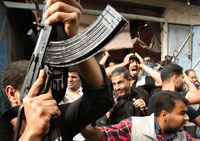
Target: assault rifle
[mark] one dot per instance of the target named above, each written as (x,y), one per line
(55,56)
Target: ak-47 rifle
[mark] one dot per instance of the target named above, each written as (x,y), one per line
(55,56)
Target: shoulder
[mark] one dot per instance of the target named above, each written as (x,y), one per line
(6,130)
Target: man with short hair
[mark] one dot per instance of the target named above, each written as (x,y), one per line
(173,80)
(191,127)
(74,89)
(131,101)
(192,77)
(135,64)
(167,123)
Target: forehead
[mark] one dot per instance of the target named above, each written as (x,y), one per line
(117,77)
(73,74)
(192,73)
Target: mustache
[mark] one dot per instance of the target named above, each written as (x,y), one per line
(119,90)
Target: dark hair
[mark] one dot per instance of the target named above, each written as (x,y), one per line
(170,70)
(73,69)
(14,74)
(167,101)
(119,71)
(188,71)
(134,57)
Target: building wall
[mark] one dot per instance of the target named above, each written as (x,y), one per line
(184,15)
(180,34)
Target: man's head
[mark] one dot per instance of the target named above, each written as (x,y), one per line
(192,76)
(74,81)
(120,78)
(12,80)
(171,111)
(173,74)
(134,66)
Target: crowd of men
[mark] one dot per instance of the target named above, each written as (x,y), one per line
(103,102)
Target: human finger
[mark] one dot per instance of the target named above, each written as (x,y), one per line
(139,102)
(60,7)
(136,101)
(127,57)
(74,3)
(139,57)
(69,20)
(35,88)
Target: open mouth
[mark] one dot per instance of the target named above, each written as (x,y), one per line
(134,70)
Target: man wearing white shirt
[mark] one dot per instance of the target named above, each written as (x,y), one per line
(73,92)
(74,89)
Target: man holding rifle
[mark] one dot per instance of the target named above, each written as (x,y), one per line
(69,119)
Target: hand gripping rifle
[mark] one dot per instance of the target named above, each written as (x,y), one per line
(55,56)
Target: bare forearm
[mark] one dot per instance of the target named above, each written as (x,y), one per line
(110,69)
(191,86)
(193,97)
(153,73)
(103,60)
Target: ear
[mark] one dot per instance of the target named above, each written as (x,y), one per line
(175,78)
(130,79)
(11,93)
(164,115)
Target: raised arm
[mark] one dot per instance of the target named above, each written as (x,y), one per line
(193,97)
(153,73)
(125,63)
(104,58)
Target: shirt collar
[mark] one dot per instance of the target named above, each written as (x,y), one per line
(79,91)
(158,132)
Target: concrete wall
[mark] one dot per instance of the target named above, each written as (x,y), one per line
(183,15)
(179,28)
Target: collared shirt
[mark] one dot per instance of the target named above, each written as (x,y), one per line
(122,131)
(67,99)
(170,137)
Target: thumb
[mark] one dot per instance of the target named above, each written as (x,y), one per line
(134,99)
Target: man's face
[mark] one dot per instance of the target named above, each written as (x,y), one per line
(177,118)
(192,77)
(134,67)
(179,83)
(73,81)
(121,85)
